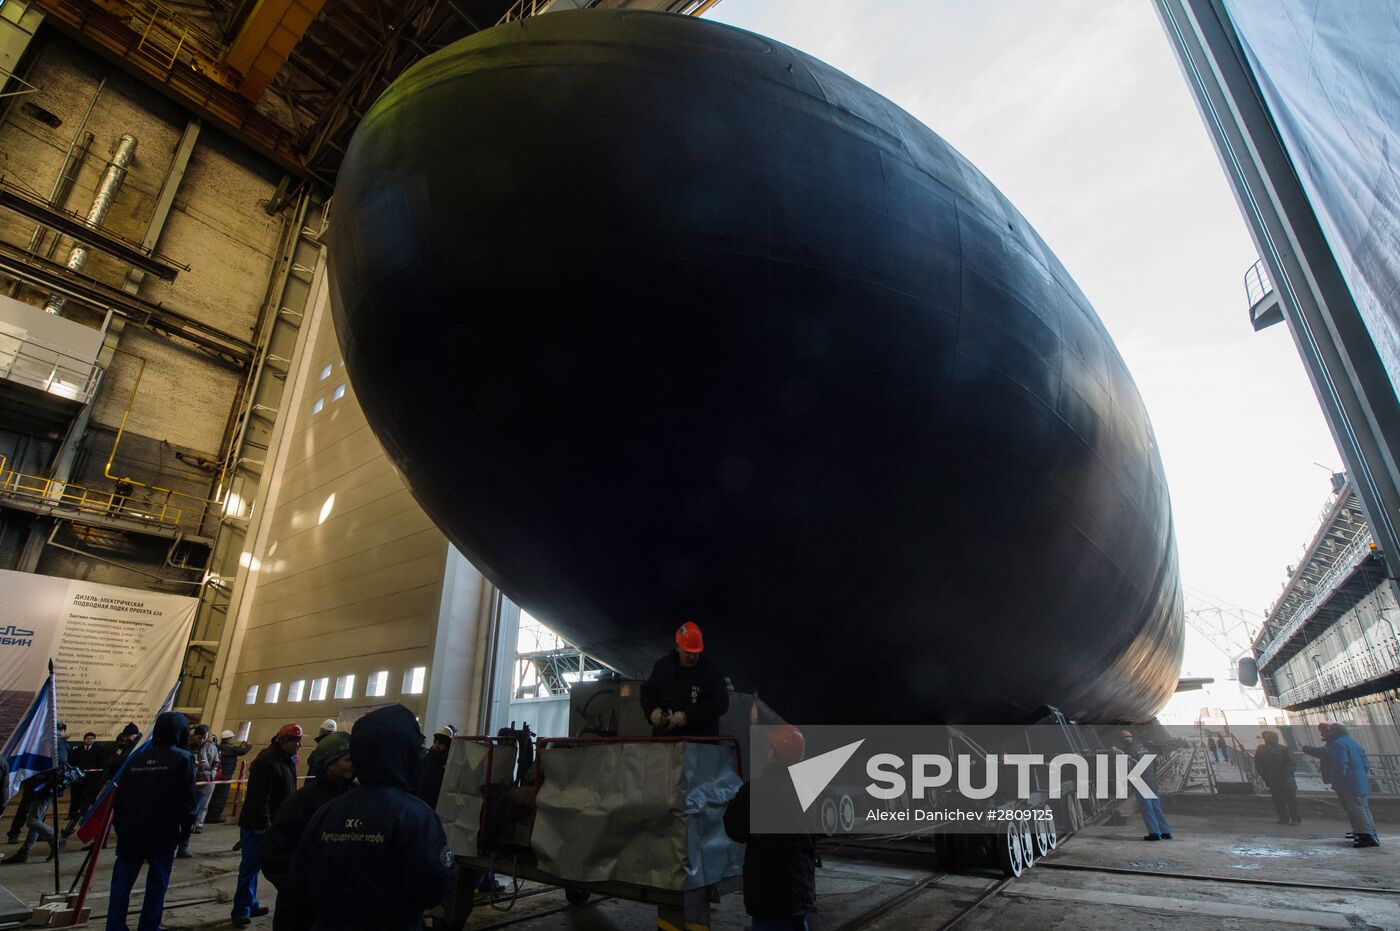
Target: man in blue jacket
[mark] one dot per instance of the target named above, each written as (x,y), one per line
(1345,766)
(154,806)
(379,847)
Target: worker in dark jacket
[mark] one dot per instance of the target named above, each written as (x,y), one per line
(30,806)
(686,694)
(41,791)
(271,781)
(333,777)
(1346,768)
(91,758)
(779,869)
(428,781)
(1275,766)
(381,850)
(152,809)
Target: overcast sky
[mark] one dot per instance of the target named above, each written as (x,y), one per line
(1077,111)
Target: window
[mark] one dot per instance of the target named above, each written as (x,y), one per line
(339,392)
(319,687)
(320,403)
(345,686)
(296,690)
(252,697)
(377,683)
(413,680)
(274,694)
(326,372)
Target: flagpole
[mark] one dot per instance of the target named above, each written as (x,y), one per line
(53,789)
(91,866)
(57,838)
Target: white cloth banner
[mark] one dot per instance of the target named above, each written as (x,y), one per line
(1330,77)
(116,650)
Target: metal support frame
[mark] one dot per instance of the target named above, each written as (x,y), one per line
(241,482)
(71,224)
(1337,350)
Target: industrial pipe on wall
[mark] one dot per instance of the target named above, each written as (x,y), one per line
(107,189)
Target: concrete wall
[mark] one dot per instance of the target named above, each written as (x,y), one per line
(218,227)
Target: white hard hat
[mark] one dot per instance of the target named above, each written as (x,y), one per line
(329,725)
(226,735)
(445,731)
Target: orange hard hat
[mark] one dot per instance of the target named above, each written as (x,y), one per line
(688,638)
(789,746)
(289,730)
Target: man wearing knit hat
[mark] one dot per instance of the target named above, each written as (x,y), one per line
(332,773)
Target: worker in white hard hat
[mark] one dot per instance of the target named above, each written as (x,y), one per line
(230,749)
(328,727)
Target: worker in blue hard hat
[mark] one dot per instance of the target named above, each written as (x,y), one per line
(686,693)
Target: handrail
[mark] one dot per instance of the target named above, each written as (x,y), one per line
(110,503)
(85,372)
(1346,670)
(1346,562)
(1257,285)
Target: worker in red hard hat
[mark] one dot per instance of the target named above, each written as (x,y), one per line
(780,870)
(272,779)
(687,692)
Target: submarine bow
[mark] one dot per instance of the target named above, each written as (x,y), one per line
(663,320)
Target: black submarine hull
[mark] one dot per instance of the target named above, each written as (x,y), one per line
(661,320)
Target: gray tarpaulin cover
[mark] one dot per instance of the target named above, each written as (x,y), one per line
(459,804)
(1330,74)
(646,813)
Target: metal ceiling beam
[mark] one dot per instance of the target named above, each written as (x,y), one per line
(90,292)
(267,39)
(70,224)
(107,34)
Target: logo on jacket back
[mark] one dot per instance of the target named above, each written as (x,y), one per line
(12,636)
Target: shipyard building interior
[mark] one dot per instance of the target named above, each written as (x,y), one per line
(526,402)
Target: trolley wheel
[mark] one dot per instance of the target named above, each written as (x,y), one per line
(1069,814)
(847,814)
(1044,837)
(1028,843)
(577,896)
(1011,854)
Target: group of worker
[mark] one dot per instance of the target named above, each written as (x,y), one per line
(367,809)
(317,837)
(1344,766)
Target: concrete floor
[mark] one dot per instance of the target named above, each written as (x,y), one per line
(1226,846)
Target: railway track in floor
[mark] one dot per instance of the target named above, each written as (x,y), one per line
(904,845)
